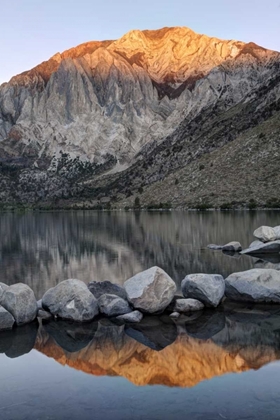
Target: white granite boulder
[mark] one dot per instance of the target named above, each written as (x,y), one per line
(71,300)
(256,285)
(207,288)
(265,234)
(150,291)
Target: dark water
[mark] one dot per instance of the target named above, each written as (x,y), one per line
(42,249)
(212,365)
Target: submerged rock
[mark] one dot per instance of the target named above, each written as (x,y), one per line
(265,234)
(258,248)
(188,305)
(151,290)
(207,288)
(20,301)
(215,247)
(6,319)
(71,300)
(113,305)
(256,285)
(99,288)
(135,316)
(232,246)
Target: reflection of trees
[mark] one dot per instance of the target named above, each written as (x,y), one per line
(42,249)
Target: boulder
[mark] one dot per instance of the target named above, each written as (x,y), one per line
(113,305)
(3,288)
(135,316)
(99,288)
(215,247)
(207,288)
(277,231)
(20,301)
(188,305)
(151,290)
(256,285)
(6,319)
(39,304)
(232,246)
(71,300)
(44,315)
(259,248)
(265,234)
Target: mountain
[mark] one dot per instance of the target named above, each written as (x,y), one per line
(169,116)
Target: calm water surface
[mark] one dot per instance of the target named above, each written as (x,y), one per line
(212,365)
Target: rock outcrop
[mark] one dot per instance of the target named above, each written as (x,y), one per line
(265,234)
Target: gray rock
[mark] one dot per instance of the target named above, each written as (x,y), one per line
(232,246)
(20,301)
(71,300)
(151,290)
(215,247)
(99,288)
(265,234)
(188,305)
(6,319)
(39,304)
(174,315)
(113,305)
(44,314)
(135,316)
(258,248)
(277,231)
(256,243)
(256,285)
(207,288)
(3,288)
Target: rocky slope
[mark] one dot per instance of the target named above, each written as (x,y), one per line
(138,110)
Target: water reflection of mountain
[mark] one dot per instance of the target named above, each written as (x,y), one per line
(42,249)
(160,351)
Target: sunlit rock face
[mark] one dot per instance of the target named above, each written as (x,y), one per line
(104,101)
(241,339)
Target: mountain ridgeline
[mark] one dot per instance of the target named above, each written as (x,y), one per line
(163,118)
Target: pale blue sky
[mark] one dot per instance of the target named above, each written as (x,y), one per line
(34,30)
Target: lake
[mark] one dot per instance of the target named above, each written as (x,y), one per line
(220,364)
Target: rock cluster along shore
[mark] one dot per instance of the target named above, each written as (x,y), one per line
(150,292)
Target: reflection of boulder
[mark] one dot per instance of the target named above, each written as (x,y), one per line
(19,341)
(71,337)
(255,344)
(249,312)
(154,332)
(207,325)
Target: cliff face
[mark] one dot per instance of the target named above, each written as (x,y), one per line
(95,107)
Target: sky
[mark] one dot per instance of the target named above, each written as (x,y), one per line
(34,30)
